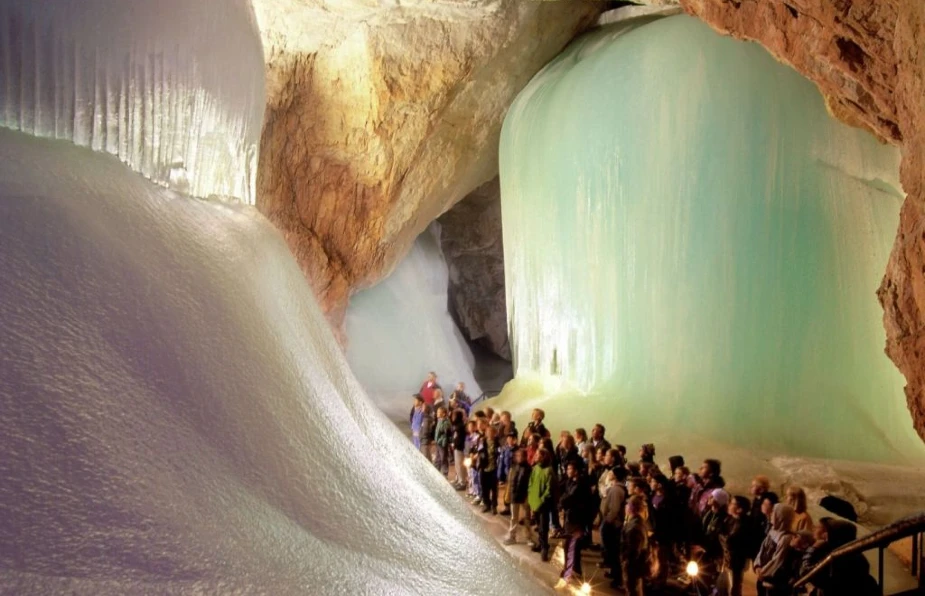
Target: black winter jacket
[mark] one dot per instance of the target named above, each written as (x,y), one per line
(519,482)
(574,502)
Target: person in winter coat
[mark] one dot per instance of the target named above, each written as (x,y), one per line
(714,527)
(539,497)
(427,432)
(519,484)
(461,398)
(845,575)
(802,521)
(442,442)
(760,485)
(574,504)
(597,437)
(667,517)
(428,387)
(505,459)
(473,438)
(771,562)
(508,426)
(763,523)
(535,426)
(710,479)
(581,439)
(554,521)
(488,469)
(613,514)
(736,542)
(416,419)
(533,446)
(458,426)
(634,546)
(570,454)
(593,471)
(560,452)
(682,485)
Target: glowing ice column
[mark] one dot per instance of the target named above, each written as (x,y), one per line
(689,234)
(174,88)
(400,329)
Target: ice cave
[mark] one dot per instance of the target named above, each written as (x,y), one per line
(235,238)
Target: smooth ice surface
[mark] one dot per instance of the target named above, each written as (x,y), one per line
(174,88)
(176,417)
(691,239)
(400,329)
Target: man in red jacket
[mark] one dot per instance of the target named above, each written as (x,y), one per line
(429,387)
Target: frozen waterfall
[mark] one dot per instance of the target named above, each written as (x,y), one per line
(400,329)
(692,246)
(173,88)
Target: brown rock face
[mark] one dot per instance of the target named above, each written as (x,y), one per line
(381,118)
(902,295)
(471,239)
(868,59)
(845,47)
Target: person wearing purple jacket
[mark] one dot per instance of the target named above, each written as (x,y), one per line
(710,479)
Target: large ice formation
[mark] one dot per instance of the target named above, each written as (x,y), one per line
(173,88)
(400,329)
(176,416)
(691,241)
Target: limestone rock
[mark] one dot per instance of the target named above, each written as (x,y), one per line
(844,47)
(381,116)
(472,244)
(902,295)
(868,60)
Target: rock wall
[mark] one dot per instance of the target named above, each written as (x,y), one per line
(868,60)
(380,118)
(471,240)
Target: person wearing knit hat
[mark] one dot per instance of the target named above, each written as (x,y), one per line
(675,461)
(720,497)
(714,526)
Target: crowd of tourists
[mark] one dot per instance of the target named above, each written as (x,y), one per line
(652,522)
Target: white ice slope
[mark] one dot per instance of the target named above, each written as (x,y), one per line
(176,417)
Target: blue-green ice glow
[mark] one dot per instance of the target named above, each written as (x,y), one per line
(689,233)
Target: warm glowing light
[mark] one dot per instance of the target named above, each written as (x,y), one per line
(693,569)
(586,588)
(467,462)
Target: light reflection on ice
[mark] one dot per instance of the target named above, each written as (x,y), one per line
(155,83)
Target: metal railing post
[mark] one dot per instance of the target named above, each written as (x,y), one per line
(880,570)
(918,540)
(915,555)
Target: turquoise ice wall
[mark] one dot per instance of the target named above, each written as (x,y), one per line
(689,233)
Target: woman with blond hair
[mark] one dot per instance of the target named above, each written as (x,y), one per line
(796,498)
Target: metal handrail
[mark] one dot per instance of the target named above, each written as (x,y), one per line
(486,395)
(912,525)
